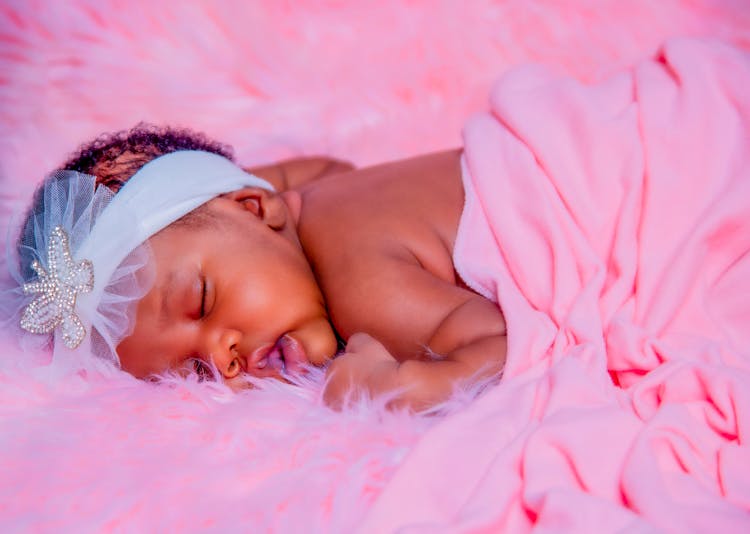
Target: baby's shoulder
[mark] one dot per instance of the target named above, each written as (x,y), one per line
(375,220)
(374,276)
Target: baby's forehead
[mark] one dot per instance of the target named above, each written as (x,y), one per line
(203,229)
(201,218)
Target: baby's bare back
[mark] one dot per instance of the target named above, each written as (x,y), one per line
(380,240)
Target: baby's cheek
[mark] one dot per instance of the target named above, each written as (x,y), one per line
(319,341)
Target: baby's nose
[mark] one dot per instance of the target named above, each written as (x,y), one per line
(225,353)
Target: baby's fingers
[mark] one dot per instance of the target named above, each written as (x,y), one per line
(364,344)
(370,371)
(339,381)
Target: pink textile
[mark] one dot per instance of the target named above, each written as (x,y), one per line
(366,81)
(612,224)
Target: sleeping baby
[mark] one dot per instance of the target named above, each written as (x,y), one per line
(153,249)
(591,214)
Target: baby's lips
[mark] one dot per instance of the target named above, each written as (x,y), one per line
(260,356)
(276,360)
(294,354)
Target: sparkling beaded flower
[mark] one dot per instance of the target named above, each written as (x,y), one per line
(57,290)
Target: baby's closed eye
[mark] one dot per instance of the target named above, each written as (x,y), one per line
(197,298)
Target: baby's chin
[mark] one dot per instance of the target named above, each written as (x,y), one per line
(318,342)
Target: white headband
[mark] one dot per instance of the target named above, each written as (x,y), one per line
(88,249)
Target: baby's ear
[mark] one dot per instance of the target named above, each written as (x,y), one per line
(264,204)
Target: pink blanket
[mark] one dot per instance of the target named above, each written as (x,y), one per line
(611,223)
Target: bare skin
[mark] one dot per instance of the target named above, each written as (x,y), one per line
(379,242)
(296,173)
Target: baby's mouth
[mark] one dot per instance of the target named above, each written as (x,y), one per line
(293,354)
(287,356)
(276,360)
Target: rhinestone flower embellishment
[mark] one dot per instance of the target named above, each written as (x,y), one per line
(57,290)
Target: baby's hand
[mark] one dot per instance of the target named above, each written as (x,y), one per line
(365,367)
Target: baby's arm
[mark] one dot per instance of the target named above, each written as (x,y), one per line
(406,302)
(294,173)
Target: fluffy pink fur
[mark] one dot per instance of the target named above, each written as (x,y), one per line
(276,79)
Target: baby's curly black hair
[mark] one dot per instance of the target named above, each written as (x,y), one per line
(114,157)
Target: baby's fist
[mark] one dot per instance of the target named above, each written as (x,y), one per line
(365,367)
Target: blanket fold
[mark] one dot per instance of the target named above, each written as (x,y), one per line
(611,223)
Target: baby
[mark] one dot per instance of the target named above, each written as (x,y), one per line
(263,280)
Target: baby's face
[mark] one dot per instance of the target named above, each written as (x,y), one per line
(233,291)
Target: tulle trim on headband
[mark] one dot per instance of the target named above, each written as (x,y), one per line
(72,201)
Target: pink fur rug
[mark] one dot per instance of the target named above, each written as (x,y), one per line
(105,452)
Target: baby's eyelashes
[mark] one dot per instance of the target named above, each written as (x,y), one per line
(196,302)
(202,312)
(207,297)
